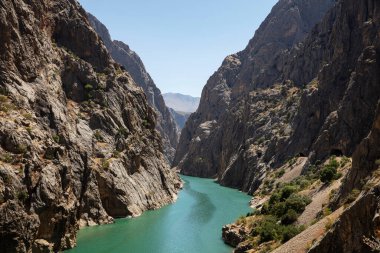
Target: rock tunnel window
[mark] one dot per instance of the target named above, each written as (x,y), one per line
(336,152)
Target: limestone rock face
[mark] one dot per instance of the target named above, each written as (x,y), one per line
(78,144)
(123,55)
(246,109)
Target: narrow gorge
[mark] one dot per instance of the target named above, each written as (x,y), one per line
(87,139)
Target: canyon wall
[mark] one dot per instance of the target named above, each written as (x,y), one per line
(78,139)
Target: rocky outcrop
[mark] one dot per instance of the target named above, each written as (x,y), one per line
(78,144)
(233,234)
(358,222)
(246,110)
(123,55)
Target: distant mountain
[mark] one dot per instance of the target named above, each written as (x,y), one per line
(180,102)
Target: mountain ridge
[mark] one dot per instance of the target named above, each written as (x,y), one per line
(180,102)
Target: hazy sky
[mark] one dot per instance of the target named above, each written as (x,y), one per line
(182,43)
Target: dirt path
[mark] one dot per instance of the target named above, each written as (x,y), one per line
(302,242)
(319,199)
(294,172)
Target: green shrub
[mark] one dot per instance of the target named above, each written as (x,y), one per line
(3,99)
(330,171)
(267,229)
(22,195)
(7,158)
(344,161)
(289,232)
(287,191)
(88,87)
(98,136)
(27,116)
(297,202)
(353,196)
(145,123)
(116,154)
(56,138)
(280,173)
(328,174)
(22,149)
(123,132)
(290,217)
(105,164)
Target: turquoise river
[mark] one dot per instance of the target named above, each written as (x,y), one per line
(191,225)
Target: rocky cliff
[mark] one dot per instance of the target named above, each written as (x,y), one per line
(78,144)
(299,90)
(245,109)
(123,55)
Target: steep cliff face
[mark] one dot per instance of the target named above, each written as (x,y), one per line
(123,55)
(78,144)
(313,99)
(245,111)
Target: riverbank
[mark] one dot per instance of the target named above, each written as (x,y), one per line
(192,224)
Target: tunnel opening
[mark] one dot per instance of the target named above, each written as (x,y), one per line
(336,152)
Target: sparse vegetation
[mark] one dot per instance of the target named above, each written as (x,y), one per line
(29,130)
(122,132)
(328,224)
(101,75)
(6,178)
(292,161)
(7,158)
(27,116)
(145,123)
(56,138)
(345,160)
(352,196)
(280,173)
(22,149)
(119,71)
(88,87)
(104,164)
(268,229)
(98,136)
(22,195)
(116,154)
(5,104)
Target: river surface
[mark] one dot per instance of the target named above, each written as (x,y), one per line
(191,225)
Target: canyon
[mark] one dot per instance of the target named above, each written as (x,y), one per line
(293,120)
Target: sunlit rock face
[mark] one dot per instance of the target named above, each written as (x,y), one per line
(78,144)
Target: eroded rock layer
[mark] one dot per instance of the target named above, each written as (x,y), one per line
(78,144)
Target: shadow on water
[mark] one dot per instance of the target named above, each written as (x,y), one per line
(203,209)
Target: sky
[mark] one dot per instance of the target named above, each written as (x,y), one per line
(182,43)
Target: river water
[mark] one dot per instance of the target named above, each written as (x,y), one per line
(191,225)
